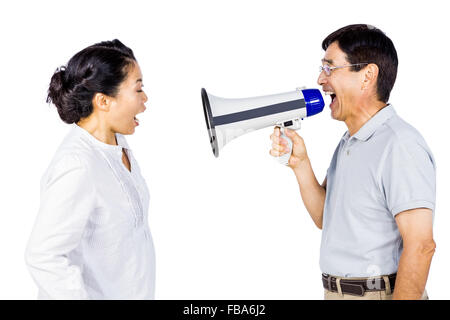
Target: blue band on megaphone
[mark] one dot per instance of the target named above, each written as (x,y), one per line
(314,101)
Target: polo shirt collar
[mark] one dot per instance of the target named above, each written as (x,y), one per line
(369,128)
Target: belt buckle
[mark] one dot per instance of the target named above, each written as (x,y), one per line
(329,283)
(328,279)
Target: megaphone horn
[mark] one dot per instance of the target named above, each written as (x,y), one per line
(227,119)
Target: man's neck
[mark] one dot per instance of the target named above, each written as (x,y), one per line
(362,114)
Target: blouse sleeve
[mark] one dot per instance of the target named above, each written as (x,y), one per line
(67,200)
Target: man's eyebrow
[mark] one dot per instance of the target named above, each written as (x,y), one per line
(139,80)
(327,60)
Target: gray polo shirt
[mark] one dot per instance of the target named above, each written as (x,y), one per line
(383,169)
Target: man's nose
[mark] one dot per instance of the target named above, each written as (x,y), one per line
(321,79)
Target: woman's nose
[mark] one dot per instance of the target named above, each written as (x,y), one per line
(145,98)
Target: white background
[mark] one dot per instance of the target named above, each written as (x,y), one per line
(232,227)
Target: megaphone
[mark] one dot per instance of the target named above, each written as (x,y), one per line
(227,119)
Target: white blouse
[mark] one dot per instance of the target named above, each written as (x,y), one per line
(91,238)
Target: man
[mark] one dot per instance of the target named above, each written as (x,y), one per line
(376,204)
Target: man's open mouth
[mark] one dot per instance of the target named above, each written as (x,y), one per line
(332,95)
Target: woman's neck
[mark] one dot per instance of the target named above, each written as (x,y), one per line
(99,130)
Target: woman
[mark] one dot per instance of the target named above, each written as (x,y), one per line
(91,238)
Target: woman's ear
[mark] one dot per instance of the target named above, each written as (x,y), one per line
(101,102)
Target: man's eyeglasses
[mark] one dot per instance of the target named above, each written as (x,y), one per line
(328,69)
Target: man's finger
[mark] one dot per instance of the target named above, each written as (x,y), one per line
(277,131)
(274,153)
(278,147)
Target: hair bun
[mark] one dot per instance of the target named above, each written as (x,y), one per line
(57,88)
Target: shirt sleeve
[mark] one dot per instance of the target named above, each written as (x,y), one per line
(409,177)
(67,199)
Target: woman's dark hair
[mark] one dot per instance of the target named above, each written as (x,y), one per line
(365,43)
(99,68)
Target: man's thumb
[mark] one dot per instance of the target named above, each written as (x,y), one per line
(291,134)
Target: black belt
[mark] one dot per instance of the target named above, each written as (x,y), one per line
(357,287)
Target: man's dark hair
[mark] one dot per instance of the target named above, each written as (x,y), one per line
(99,68)
(365,43)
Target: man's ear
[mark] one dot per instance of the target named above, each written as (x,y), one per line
(101,101)
(370,76)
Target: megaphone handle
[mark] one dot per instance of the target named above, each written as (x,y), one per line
(284,159)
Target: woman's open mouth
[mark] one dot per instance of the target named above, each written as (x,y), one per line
(136,121)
